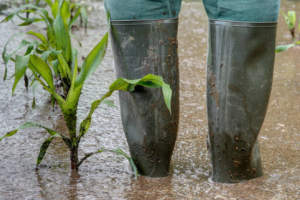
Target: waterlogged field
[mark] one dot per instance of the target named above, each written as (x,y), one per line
(106,176)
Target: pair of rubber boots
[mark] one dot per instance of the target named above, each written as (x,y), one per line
(239,79)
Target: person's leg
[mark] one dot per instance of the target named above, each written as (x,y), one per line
(142,9)
(144,44)
(239,81)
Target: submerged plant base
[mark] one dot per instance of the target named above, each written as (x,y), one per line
(141,47)
(239,81)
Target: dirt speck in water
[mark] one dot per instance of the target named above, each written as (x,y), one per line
(107,176)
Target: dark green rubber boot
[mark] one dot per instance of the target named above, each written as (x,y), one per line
(239,81)
(141,47)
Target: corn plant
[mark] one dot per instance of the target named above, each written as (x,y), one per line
(282,48)
(290,20)
(43,70)
(51,47)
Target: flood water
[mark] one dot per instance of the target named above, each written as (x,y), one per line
(107,176)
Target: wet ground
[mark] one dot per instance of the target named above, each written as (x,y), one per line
(107,176)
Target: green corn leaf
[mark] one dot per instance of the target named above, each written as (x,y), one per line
(42,10)
(52,52)
(30,21)
(72,100)
(26,81)
(34,87)
(42,68)
(27,125)
(49,2)
(22,44)
(65,13)
(84,16)
(122,153)
(74,62)
(61,35)
(110,103)
(92,61)
(54,9)
(5,46)
(299,26)
(55,67)
(5,73)
(282,48)
(39,36)
(64,69)
(73,36)
(74,18)
(150,80)
(43,150)
(291,19)
(20,69)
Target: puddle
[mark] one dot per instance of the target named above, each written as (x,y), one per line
(107,176)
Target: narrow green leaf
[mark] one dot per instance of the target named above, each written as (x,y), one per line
(62,38)
(282,48)
(49,2)
(30,21)
(122,153)
(92,61)
(26,81)
(46,54)
(5,73)
(291,19)
(74,18)
(20,69)
(55,67)
(84,16)
(43,150)
(110,103)
(64,69)
(39,35)
(26,6)
(27,125)
(5,46)
(150,80)
(42,68)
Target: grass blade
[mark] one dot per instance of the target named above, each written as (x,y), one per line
(61,35)
(43,150)
(122,153)
(282,48)
(43,69)
(39,36)
(27,125)
(20,69)
(92,61)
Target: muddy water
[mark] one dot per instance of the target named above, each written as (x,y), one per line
(107,176)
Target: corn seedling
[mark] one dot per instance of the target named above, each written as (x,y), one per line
(55,46)
(44,68)
(290,20)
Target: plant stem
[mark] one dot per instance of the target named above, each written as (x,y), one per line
(74,158)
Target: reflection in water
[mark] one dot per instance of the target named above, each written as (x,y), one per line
(107,176)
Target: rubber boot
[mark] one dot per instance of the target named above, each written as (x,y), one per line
(239,81)
(141,47)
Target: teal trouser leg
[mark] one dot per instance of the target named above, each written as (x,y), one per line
(142,9)
(243,10)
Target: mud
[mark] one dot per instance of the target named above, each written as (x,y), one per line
(107,176)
